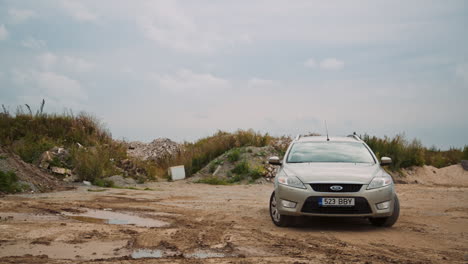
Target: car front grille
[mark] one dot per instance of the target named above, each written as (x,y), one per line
(325,187)
(361,206)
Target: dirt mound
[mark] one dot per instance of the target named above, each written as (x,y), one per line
(453,175)
(156,150)
(248,162)
(35,178)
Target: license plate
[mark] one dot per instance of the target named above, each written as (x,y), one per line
(338,202)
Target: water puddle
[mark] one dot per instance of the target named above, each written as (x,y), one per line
(158,253)
(115,218)
(201,254)
(147,253)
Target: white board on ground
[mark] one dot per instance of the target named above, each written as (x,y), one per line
(177,172)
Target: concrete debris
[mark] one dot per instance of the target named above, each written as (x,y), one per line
(158,150)
(177,172)
(120,181)
(87,183)
(61,171)
(56,155)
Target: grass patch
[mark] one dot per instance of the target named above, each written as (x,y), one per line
(104,183)
(213,181)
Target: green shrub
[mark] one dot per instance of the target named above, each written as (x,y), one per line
(257,172)
(95,163)
(212,167)
(9,182)
(30,149)
(242,168)
(234,155)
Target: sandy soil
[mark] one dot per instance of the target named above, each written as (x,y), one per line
(196,223)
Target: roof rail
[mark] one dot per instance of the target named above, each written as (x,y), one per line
(355,136)
(298,137)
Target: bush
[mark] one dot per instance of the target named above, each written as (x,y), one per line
(98,162)
(30,150)
(234,155)
(9,182)
(257,172)
(242,168)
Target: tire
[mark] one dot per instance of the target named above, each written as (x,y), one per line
(276,217)
(388,221)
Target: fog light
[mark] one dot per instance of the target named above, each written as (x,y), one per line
(384,205)
(288,204)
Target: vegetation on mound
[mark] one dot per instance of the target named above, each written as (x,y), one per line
(94,155)
(197,155)
(93,152)
(406,153)
(9,183)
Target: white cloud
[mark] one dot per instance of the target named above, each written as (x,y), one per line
(179,28)
(187,81)
(49,84)
(49,61)
(331,64)
(3,32)
(18,16)
(77,64)
(33,43)
(257,83)
(310,63)
(78,10)
(462,72)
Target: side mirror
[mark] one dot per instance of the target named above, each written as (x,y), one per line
(274,160)
(385,161)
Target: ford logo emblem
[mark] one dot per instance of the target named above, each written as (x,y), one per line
(336,188)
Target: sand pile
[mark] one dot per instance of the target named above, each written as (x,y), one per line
(453,175)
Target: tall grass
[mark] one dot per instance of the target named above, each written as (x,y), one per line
(406,153)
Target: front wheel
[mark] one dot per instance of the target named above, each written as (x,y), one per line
(276,217)
(387,221)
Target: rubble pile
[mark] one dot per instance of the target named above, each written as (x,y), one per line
(158,150)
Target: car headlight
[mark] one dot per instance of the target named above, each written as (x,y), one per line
(291,181)
(380,181)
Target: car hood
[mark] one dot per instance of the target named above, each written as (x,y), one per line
(333,172)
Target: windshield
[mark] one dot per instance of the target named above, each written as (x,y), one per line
(352,152)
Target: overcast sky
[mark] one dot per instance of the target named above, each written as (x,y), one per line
(184,69)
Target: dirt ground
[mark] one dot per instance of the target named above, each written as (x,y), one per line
(181,222)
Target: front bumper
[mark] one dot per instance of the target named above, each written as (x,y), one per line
(306,199)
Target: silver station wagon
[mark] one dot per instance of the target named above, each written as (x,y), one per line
(336,176)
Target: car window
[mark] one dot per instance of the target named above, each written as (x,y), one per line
(352,152)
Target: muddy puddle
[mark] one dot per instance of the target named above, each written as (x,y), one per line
(115,218)
(158,253)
